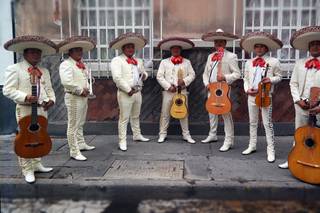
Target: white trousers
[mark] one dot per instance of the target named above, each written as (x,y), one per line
(77,111)
(129,109)
(28,164)
(266,114)
(165,115)
(228,126)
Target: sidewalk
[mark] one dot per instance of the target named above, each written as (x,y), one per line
(149,170)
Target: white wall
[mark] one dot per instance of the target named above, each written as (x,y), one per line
(6,57)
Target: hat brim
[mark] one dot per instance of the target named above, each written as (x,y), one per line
(85,45)
(136,41)
(249,43)
(20,43)
(184,43)
(302,42)
(212,36)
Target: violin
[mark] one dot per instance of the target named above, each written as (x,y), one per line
(263,98)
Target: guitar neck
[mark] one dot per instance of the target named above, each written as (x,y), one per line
(34,107)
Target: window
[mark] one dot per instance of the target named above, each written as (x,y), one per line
(104,20)
(281,18)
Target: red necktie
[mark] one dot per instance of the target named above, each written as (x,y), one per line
(176,59)
(313,63)
(218,55)
(81,65)
(132,61)
(35,71)
(258,62)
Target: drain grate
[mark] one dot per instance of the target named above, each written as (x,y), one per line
(145,169)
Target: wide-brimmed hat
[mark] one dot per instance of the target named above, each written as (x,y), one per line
(167,43)
(218,35)
(20,43)
(86,43)
(301,38)
(249,40)
(137,39)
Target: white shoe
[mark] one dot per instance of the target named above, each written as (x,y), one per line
(123,146)
(225,147)
(86,147)
(161,139)
(271,156)
(41,168)
(29,177)
(249,150)
(284,165)
(141,138)
(189,139)
(79,157)
(210,138)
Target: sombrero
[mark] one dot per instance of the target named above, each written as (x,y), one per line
(86,43)
(137,39)
(218,35)
(167,43)
(20,43)
(250,39)
(301,38)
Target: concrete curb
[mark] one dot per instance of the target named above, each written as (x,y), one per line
(135,190)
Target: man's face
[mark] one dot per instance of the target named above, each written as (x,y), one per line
(76,53)
(175,51)
(32,55)
(260,49)
(128,50)
(314,48)
(220,43)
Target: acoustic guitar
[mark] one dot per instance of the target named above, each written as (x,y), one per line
(304,158)
(218,102)
(179,108)
(263,98)
(33,141)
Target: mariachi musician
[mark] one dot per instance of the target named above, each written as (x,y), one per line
(230,73)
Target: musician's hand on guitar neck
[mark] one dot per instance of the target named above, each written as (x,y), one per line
(47,105)
(31,99)
(252,92)
(181,83)
(172,89)
(303,104)
(266,80)
(221,77)
(85,92)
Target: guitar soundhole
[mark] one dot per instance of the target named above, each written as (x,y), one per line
(309,142)
(218,92)
(34,127)
(178,102)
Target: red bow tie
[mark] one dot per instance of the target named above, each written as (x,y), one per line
(176,59)
(218,55)
(313,63)
(258,62)
(81,65)
(35,71)
(132,61)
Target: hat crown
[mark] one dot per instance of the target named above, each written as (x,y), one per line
(219,30)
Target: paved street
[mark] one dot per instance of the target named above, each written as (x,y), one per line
(149,170)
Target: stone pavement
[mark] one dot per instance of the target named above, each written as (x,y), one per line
(149,170)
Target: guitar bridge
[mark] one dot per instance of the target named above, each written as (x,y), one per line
(309,164)
(218,104)
(33,145)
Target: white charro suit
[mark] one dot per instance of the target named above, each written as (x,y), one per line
(251,74)
(16,87)
(123,75)
(231,71)
(302,79)
(168,75)
(74,80)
